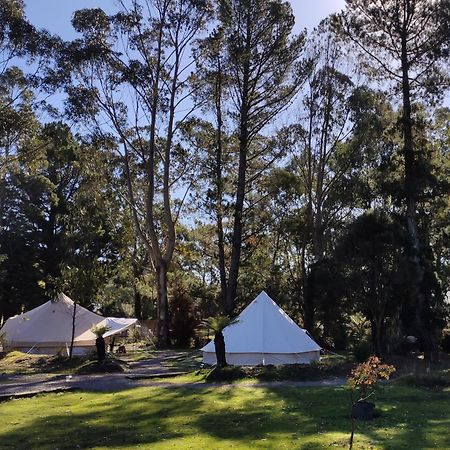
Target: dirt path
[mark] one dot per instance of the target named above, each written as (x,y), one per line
(140,373)
(118,382)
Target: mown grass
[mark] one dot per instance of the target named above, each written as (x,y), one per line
(225,417)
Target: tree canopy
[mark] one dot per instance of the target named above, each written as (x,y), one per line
(178,156)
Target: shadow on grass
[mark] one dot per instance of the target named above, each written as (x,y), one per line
(109,421)
(254,418)
(405,421)
(293,413)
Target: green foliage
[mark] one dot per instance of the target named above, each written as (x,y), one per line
(218,323)
(380,29)
(250,71)
(60,235)
(405,44)
(372,259)
(100,330)
(358,329)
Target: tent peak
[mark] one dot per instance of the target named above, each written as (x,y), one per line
(263,295)
(64,298)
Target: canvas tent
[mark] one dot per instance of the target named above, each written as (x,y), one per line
(47,329)
(264,334)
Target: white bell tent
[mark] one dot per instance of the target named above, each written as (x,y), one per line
(264,334)
(47,329)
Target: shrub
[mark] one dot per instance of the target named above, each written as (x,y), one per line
(228,373)
(109,365)
(363,381)
(364,378)
(295,372)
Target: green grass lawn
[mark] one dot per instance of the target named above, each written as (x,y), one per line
(211,417)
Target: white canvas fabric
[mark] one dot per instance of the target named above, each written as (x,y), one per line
(117,325)
(264,334)
(47,329)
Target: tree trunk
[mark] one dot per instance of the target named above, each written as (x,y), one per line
(219,186)
(317,234)
(240,191)
(222,270)
(315,219)
(3,191)
(340,337)
(242,171)
(309,318)
(219,345)
(52,252)
(304,285)
(311,284)
(237,230)
(417,272)
(101,348)
(163,306)
(378,339)
(137,272)
(137,302)
(377,312)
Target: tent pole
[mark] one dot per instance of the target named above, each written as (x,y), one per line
(73,329)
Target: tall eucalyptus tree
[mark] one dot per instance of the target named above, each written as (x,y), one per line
(254,64)
(130,75)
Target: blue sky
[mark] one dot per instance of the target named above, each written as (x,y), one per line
(55,15)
